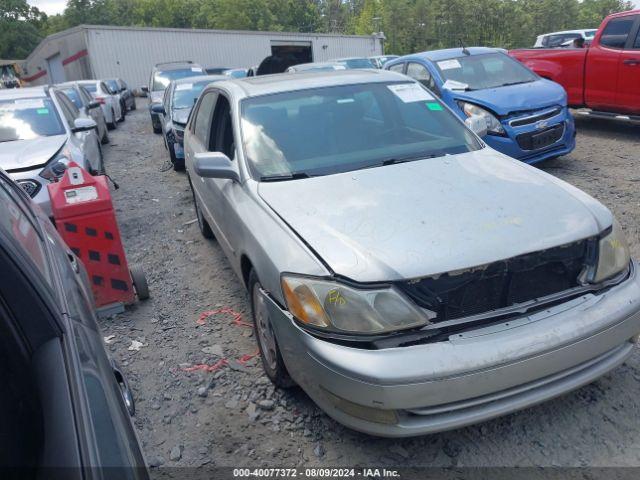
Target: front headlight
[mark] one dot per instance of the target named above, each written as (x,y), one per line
(335,307)
(493,124)
(613,254)
(55,168)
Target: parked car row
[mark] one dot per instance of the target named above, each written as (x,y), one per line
(43,129)
(402,265)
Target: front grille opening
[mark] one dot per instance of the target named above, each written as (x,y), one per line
(535,118)
(500,284)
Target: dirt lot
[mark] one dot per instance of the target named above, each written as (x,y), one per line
(234,417)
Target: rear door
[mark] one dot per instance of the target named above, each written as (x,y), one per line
(88,141)
(628,94)
(603,63)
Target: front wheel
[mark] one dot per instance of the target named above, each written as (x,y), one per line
(272,361)
(203,225)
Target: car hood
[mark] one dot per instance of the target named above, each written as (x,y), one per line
(29,153)
(433,216)
(526,96)
(181,115)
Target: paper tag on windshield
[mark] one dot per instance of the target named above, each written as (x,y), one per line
(410,92)
(184,86)
(196,69)
(339,67)
(449,64)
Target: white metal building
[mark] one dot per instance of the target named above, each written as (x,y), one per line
(89,51)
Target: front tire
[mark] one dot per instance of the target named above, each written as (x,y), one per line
(178,163)
(272,361)
(205,229)
(114,124)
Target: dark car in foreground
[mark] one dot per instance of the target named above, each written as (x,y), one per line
(173,112)
(65,404)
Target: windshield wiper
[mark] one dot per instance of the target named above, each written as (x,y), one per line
(395,161)
(508,84)
(282,178)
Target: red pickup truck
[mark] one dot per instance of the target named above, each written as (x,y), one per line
(603,76)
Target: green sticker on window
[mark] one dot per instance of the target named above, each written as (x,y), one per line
(434,107)
(42,111)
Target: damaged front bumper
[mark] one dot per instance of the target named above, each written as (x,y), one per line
(470,377)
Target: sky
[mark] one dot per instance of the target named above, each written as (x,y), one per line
(51,7)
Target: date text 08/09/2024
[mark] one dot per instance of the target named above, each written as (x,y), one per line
(315,473)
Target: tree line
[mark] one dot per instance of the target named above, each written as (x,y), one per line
(408,25)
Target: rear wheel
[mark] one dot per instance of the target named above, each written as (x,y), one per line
(272,361)
(105,139)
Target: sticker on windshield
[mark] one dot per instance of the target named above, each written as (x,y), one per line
(184,86)
(345,100)
(434,106)
(449,64)
(42,111)
(196,69)
(339,67)
(410,92)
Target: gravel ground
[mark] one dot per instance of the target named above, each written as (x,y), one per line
(234,417)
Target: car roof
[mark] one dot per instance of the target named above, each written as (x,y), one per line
(447,53)
(284,82)
(28,92)
(311,65)
(165,67)
(200,78)
(581,30)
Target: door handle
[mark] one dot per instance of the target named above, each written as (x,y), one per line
(74,262)
(125,391)
(631,61)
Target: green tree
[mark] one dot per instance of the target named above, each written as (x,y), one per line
(20,28)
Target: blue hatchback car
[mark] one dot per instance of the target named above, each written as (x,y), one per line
(527,116)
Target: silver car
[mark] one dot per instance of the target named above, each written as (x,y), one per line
(83,100)
(109,102)
(408,277)
(41,131)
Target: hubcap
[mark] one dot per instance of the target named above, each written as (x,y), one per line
(265,333)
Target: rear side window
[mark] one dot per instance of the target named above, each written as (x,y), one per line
(616,32)
(636,44)
(203,118)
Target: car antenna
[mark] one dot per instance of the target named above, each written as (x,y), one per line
(464,48)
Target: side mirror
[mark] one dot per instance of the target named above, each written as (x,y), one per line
(83,125)
(214,165)
(158,108)
(93,104)
(477,125)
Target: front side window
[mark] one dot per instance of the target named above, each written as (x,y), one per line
(28,118)
(617,31)
(203,118)
(113,86)
(636,44)
(491,70)
(161,79)
(398,67)
(420,73)
(330,130)
(73,96)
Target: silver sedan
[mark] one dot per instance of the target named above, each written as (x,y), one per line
(408,277)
